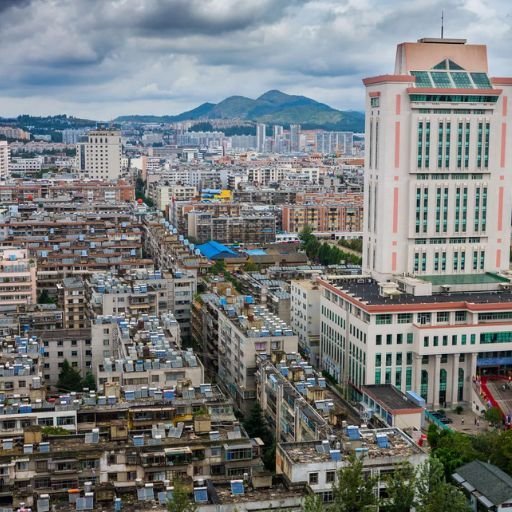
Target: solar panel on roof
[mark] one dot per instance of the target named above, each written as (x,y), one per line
(237,487)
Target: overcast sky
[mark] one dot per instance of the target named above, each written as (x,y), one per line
(103,58)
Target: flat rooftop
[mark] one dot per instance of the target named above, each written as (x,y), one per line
(389,397)
(366,290)
(465,279)
(398,445)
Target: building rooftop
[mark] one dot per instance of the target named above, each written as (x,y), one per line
(466,279)
(367,443)
(485,480)
(367,291)
(390,397)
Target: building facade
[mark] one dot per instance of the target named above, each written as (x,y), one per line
(4,160)
(434,309)
(103,154)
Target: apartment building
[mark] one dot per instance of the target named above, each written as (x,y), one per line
(75,243)
(316,463)
(295,400)
(329,143)
(17,277)
(4,160)
(131,451)
(22,191)
(305,317)
(25,167)
(324,213)
(245,330)
(72,301)
(145,352)
(59,345)
(166,194)
(103,155)
(21,373)
(171,251)
(252,225)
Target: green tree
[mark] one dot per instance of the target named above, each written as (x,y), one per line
(250,266)
(218,267)
(354,491)
(256,426)
(493,416)
(433,493)
(69,378)
(89,381)
(313,503)
(401,486)
(180,501)
(306,234)
(44,298)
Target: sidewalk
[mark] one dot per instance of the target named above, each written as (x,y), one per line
(465,422)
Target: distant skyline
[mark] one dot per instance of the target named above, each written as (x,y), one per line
(104,58)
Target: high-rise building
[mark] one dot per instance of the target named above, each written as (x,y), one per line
(433,310)
(435,174)
(335,142)
(261,132)
(295,138)
(4,159)
(277,138)
(103,154)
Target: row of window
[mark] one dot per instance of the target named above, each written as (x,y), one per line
(389,359)
(445,340)
(458,261)
(399,338)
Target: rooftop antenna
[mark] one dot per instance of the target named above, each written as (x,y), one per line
(442,24)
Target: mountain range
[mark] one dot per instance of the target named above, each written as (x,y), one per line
(272,107)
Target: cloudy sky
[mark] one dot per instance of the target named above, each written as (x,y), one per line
(103,58)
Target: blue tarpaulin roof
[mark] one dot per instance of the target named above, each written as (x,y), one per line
(256,252)
(215,251)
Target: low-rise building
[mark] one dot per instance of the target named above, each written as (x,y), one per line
(315,463)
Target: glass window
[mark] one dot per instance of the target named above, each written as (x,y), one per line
(442,316)
(383,319)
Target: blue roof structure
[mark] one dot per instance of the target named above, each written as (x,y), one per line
(215,251)
(256,252)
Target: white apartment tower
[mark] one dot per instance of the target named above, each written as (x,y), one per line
(295,138)
(4,160)
(103,154)
(437,161)
(432,313)
(261,132)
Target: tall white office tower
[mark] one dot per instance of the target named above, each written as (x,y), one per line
(437,177)
(261,133)
(295,138)
(103,154)
(4,160)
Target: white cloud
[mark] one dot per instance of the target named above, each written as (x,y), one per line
(103,58)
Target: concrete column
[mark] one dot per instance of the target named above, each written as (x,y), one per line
(417,374)
(454,380)
(472,365)
(434,381)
